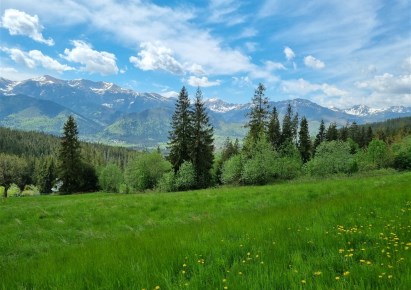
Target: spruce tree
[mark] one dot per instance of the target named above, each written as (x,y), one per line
(202,148)
(304,141)
(320,137)
(274,130)
(258,115)
(70,167)
(332,132)
(181,132)
(287,130)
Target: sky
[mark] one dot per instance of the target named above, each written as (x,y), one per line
(334,53)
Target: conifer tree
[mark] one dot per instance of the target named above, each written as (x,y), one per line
(320,137)
(258,115)
(287,130)
(180,134)
(304,141)
(202,148)
(274,130)
(70,167)
(332,132)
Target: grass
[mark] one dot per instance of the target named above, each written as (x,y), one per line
(345,233)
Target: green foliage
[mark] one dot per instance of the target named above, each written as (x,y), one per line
(378,154)
(45,174)
(2,191)
(320,137)
(123,188)
(185,177)
(13,190)
(288,164)
(332,133)
(180,134)
(304,141)
(167,182)
(231,170)
(30,190)
(331,157)
(13,169)
(145,170)
(110,178)
(258,115)
(70,162)
(201,148)
(274,130)
(259,168)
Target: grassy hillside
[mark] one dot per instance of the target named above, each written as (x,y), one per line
(349,233)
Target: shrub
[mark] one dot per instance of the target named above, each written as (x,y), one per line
(378,154)
(2,191)
(402,160)
(110,178)
(185,177)
(13,190)
(30,190)
(166,182)
(123,188)
(231,171)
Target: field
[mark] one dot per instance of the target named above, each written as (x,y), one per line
(341,233)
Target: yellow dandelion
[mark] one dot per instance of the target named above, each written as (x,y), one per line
(184,265)
(369,263)
(240,273)
(318,273)
(183,272)
(379,276)
(261,262)
(157,287)
(248,254)
(346,273)
(303,281)
(389,276)
(362,261)
(224,280)
(341,251)
(225,287)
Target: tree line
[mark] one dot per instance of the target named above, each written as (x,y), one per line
(32,162)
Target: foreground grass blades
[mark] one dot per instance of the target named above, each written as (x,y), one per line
(349,233)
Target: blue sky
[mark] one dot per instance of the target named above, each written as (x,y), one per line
(335,53)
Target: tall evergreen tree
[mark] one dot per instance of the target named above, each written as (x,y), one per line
(274,130)
(287,130)
(304,141)
(70,167)
(332,132)
(320,137)
(259,114)
(294,127)
(181,131)
(202,148)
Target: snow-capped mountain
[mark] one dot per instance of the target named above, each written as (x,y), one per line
(111,112)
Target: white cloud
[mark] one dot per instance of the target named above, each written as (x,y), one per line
(21,23)
(251,46)
(202,82)
(156,57)
(93,61)
(302,87)
(170,94)
(289,53)
(243,81)
(11,73)
(270,65)
(35,58)
(196,69)
(313,62)
(388,84)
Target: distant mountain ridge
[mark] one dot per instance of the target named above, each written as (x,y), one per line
(109,113)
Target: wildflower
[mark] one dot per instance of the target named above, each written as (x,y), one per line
(318,273)
(341,251)
(184,265)
(346,273)
(389,276)
(183,272)
(225,287)
(261,262)
(224,280)
(337,278)
(362,261)
(157,287)
(240,273)
(303,281)
(369,263)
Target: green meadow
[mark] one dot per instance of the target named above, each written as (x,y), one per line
(338,233)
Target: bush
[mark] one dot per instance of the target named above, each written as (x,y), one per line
(110,178)
(146,170)
(378,154)
(167,182)
(30,190)
(123,188)
(231,171)
(13,190)
(402,160)
(2,191)
(185,177)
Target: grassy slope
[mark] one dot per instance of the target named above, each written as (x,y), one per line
(286,236)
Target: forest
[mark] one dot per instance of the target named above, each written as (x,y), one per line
(33,163)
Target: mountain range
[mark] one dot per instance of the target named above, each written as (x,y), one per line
(107,113)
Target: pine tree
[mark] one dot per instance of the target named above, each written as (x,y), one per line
(287,130)
(180,134)
(274,130)
(70,167)
(320,136)
(202,148)
(304,141)
(332,132)
(258,115)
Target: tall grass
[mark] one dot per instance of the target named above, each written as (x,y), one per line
(350,233)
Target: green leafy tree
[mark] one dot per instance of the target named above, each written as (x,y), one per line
(229,149)
(274,130)
(12,170)
(231,171)
(304,141)
(201,148)
(70,163)
(259,114)
(45,174)
(378,154)
(185,177)
(145,171)
(110,178)
(180,136)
